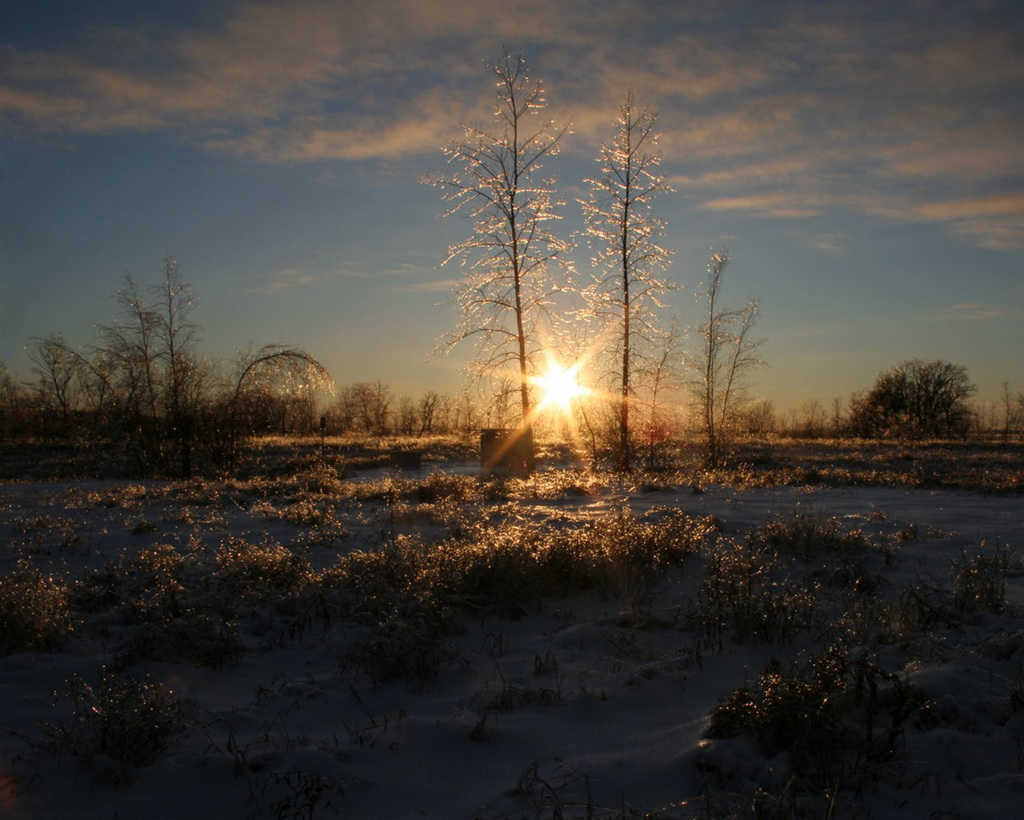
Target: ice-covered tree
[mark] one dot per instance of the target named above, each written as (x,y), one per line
(505,296)
(726,351)
(629,258)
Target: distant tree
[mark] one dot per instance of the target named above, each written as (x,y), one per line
(759,418)
(726,352)
(148,359)
(344,409)
(837,415)
(627,288)
(408,417)
(1013,411)
(57,367)
(428,411)
(9,401)
(659,371)
(144,388)
(915,398)
(812,418)
(509,288)
(272,372)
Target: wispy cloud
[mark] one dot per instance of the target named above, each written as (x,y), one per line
(973,311)
(906,112)
(435,286)
(295,278)
(288,278)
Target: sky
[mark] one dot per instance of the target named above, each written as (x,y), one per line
(862,161)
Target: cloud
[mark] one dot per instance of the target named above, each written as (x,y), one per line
(974,311)
(786,112)
(780,205)
(288,278)
(435,286)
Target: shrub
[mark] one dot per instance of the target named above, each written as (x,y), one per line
(403,648)
(745,594)
(378,582)
(441,487)
(151,584)
(805,536)
(34,612)
(126,719)
(193,636)
(259,573)
(831,711)
(979,581)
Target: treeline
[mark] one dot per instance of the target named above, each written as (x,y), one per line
(913,400)
(372,408)
(144,394)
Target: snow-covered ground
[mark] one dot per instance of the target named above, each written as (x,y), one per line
(567,711)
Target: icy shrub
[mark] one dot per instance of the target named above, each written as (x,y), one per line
(193,636)
(126,719)
(252,573)
(979,581)
(402,648)
(806,537)
(745,594)
(378,583)
(151,584)
(319,478)
(34,612)
(441,487)
(636,552)
(830,713)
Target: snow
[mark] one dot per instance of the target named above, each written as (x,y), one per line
(568,711)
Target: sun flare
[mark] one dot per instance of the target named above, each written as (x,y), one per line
(560,386)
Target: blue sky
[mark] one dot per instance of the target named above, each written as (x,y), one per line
(863,162)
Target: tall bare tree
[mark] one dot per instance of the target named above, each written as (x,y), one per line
(629,257)
(726,352)
(150,357)
(57,367)
(508,290)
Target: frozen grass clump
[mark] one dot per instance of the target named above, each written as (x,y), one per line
(747,595)
(408,648)
(193,636)
(151,584)
(979,581)
(444,487)
(123,719)
(417,593)
(35,613)
(836,719)
(805,536)
(378,584)
(249,574)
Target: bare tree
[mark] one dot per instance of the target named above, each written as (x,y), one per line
(148,358)
(1013,413)
(8,403)
(726,353)
(758,417)
(183,373)
(427,411)
(274,370)
(627,288)
(812,423)
(407,419)
(508,290)
(659,373)
(57,367)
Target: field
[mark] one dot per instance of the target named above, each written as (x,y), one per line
(826,630)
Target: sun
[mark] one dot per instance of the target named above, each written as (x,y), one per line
(559,387)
